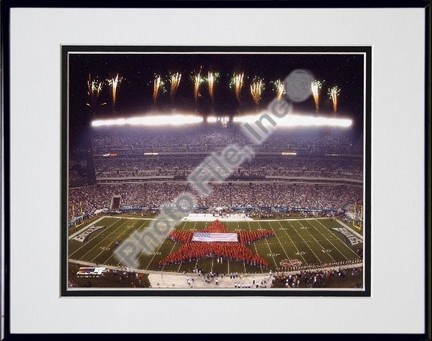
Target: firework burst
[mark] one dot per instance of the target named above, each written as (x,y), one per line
(212,78)
(174,79)
(333,94)
(94,88)
(158,86)
(236,83)
(114,83)
(278,88)
(197,80)
(316,87)
(256,89)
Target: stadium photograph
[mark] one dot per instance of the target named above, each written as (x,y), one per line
(215,171)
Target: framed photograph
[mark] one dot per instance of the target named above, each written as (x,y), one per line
(286,218)
(266,156)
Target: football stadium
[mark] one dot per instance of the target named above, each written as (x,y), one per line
(290,216)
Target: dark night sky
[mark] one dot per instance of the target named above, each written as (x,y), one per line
(135,92)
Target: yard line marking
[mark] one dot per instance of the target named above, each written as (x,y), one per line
(112,232)
(85,228)
(182,261)
(136,241)
(155,253)
(244,264)
(172,248)
(256,250)
(322,247)
(184,224)
(112,254)
(196,263)
(327,229)
(350,229)
(296,245)
(271,252)
(286,254)
(268,245)
(97,234)
(139,256)
(319,259)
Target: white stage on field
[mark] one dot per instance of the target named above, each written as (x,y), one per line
(213,217)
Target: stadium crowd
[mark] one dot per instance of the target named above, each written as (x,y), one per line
(89,199)
(253,184)
(211,138)
(316,278)
(172,165)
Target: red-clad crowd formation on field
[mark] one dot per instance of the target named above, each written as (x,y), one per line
(215,227)
(227,250)
(181,236)
(249,237)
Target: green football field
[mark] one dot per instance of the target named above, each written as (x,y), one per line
(311,241)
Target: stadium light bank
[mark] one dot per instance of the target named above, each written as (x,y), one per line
(218,166)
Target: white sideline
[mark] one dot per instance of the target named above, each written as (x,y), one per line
(85,228)
(349,228)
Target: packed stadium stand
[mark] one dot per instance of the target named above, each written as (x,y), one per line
(302,169)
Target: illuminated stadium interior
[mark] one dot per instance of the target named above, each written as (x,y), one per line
(139,125)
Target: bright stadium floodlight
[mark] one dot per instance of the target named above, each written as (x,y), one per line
(109,122)
(212,119)
(295,120)
(151,121)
